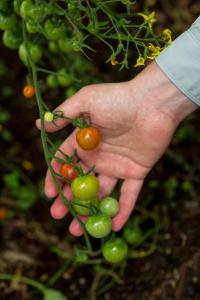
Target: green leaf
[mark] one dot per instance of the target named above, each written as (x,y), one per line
(27,197)
(51,294)
(12,181)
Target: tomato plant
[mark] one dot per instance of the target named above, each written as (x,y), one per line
(115,250)
(88,138)
(85,187)
(99,226)
(109,206)
(68,171)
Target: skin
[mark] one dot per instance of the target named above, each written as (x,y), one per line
(137,120)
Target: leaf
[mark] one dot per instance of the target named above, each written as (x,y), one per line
(12,181)
(51,294)
(27,197)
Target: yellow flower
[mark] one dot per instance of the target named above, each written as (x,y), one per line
(140,61)
(114,62)
(167,36)
(150,19)
(155,51)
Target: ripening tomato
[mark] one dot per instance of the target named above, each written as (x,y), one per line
(68,172)
(84,207)
(88,138)
(109,206)
(115,250)
(28,91)
(85,187)
(99,226)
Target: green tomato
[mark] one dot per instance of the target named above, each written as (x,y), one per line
(84,211)
(34,50)
(16,6)
(70,92)
(53,47)
(65,45)
(48,116)
(52,81)
(53,30)
(99,226)
(7,22)
(133,235)
(11,39)
(31,26)
(64,78)
(109,206)
(28,10)
(85,187)
(115,250)
(25,8)
(76,45)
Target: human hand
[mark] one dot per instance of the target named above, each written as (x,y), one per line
(137,120)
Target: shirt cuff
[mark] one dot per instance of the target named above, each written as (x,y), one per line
(181,62)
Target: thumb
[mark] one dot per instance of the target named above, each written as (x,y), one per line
(71,108)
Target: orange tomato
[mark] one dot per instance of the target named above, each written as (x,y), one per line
(88,138)
(3,213)
(28,91)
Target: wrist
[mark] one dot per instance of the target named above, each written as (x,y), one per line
(160,94)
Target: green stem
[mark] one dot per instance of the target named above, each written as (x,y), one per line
(23,279)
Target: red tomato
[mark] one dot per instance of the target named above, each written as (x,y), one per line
(68,172)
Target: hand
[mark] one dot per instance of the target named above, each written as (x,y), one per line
(137,120)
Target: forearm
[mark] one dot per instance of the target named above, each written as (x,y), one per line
(157,91)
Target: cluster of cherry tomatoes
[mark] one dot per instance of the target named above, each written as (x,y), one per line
(85,188)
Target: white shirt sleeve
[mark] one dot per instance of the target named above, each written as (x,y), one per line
(181,62)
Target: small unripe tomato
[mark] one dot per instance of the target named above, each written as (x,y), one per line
(133,235)
(28,91)
(48,116)
(52,81)
(68,172)
(35,52)
(54,31)
(115,250)
(99,226)
(109,206)
(7,22)
(88,138)
(11,39)
(82,210)
(64,78)
(85,187)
